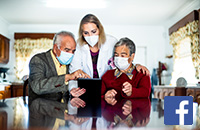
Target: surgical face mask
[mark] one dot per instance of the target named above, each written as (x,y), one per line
(92,40)
(65,58)
(121,62)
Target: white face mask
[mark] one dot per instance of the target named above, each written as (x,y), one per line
(121,63)
(92,40)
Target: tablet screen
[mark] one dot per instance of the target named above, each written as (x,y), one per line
(92,97)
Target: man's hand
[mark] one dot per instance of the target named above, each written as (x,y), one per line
(142,69)
(76,92)
(127,88)
(75,75)
(111,101)
(76,120)
(127,108)
(110,93)
(77,102)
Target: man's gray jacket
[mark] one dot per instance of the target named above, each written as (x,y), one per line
(43,77)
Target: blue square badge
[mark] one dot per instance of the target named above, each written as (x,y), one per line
(178,110)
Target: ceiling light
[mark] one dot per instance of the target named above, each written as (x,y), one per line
(76,4)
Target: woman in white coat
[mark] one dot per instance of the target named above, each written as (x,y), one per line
(93,51)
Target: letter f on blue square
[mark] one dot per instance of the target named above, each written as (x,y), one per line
(178,110)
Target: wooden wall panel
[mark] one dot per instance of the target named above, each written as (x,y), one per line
(194,15)
(34,35)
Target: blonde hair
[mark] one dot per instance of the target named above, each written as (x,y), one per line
(90,18)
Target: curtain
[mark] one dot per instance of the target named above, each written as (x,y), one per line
(190,30)
(25,48)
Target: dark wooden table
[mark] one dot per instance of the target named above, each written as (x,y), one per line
(43,113)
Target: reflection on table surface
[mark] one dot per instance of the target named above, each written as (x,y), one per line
(75,113)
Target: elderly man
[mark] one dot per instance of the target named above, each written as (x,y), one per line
(49,70)
(125,81)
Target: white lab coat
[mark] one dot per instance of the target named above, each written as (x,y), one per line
(83,60)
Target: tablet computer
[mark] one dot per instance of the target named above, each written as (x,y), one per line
(92,97)
(92,86)
(90,110)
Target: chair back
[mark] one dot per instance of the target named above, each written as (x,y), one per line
(25,90)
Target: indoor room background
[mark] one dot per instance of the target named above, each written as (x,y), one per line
(152,40)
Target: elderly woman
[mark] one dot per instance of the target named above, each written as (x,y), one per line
(125,81)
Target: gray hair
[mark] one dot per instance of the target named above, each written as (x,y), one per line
(128,43)
(58,37)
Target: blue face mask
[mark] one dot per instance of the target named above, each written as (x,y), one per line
(65,58)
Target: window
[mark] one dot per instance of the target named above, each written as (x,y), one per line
(26,46)
(183,64)
(186,50)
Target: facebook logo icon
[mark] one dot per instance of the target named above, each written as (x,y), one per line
(178,110)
